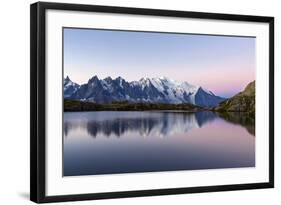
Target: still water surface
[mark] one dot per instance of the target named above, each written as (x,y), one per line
(111,142)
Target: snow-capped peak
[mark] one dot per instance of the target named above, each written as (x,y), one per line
(145,82)
(67,78)
(67,82)
(69,87)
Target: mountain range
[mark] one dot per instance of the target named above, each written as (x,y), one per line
(146,90)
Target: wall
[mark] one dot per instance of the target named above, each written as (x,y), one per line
(14,103)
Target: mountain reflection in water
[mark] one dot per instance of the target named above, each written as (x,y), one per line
(110,142)
(149,123)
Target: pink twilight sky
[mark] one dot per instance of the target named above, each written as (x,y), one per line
(221,64)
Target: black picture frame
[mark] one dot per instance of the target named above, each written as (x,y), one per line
(38,103)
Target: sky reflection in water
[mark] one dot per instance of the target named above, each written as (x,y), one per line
(126,142)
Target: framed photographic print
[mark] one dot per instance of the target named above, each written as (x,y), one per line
(129,102)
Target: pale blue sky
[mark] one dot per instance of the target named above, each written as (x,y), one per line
(221,64)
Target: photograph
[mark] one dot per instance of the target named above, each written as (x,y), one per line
(139,101)
(148,101)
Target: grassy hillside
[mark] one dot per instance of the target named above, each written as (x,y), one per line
(242,102)
(72,105)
